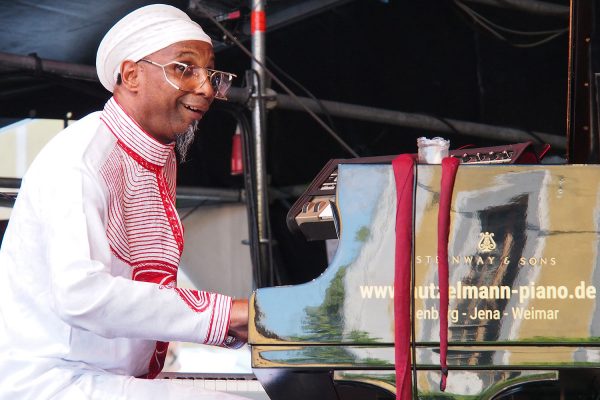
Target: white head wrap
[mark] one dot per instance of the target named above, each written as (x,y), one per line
(140,33)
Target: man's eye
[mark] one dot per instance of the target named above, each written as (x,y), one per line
(180,68)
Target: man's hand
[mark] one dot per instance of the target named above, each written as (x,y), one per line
(238,319)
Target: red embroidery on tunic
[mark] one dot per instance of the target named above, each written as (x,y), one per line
(157,362)
(143,228)
(148,165)
(161,274)
(171,212)
(196,300)
(210,328)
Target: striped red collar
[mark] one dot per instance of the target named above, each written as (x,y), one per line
(133,137)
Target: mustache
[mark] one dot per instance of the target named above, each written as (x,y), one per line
(184,140)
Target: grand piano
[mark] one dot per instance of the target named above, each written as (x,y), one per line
(524,316)
(523,255)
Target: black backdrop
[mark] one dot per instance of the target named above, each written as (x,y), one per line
(416,56)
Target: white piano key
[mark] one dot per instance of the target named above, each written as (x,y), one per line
(231,385)
(221,385)
(209,384)
(243,385)
(255,386)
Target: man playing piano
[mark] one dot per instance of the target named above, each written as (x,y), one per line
(88,266)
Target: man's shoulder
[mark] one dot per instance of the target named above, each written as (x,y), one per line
(81,128)
(78,145)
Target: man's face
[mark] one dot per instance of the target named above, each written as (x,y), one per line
(162,110)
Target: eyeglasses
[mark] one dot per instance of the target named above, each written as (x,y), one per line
(188,78)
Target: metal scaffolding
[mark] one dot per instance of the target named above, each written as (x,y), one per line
(336,109)
(264,276)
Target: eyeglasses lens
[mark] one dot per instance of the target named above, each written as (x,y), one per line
(188,78)
(221,82)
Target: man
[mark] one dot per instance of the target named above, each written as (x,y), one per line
(88,266)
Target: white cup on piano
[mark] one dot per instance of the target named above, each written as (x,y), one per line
(432,151)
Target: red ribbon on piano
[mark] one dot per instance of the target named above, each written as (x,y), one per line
(403,166)
(404,172)
(449,168)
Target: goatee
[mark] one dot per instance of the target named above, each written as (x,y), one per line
(183,141)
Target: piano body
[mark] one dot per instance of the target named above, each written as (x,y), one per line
(523,317)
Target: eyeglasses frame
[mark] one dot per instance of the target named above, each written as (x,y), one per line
(209,73)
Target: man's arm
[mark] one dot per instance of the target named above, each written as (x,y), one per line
(85,293)
(238,320)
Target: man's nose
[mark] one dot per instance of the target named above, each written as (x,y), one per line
(204,87)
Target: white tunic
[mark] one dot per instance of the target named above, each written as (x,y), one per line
(88,268)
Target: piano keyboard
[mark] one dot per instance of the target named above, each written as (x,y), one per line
(245,385)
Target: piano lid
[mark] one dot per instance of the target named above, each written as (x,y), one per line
(523,262)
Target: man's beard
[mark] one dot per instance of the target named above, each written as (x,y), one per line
(184,139)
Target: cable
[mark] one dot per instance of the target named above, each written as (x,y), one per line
(196,207)
(251,199)
(278,81)
(237,112)
(445,122)
(527,45)
(305,90)
(491,28)
(504,29)
(250,184)
(7,199)
(267,223)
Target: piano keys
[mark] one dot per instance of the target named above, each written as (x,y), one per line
(245,385)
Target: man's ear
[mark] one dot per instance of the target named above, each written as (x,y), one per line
(130,77)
